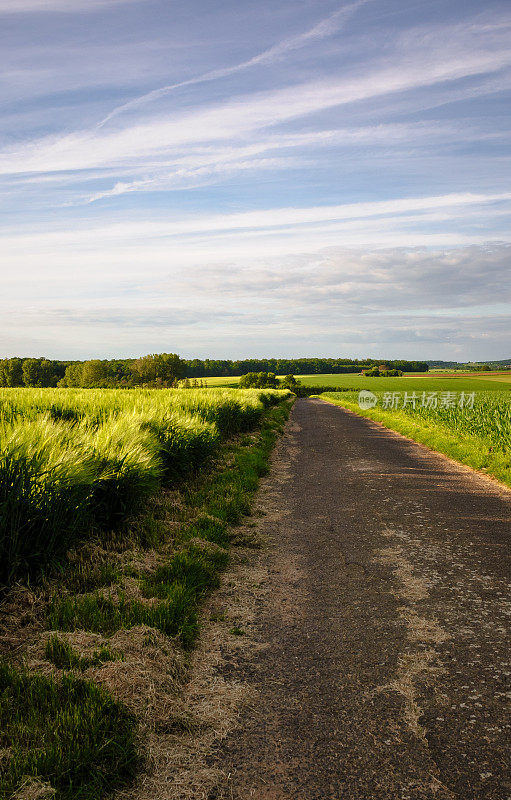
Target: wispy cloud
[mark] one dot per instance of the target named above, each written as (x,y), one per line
(322,29)
(226,121)
(121,248)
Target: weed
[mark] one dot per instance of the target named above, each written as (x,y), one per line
(85,577)
(174,616)
(64,656)
(68,732)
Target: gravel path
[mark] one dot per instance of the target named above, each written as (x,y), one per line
(382,666)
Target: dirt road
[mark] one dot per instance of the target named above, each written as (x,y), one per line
(383,666)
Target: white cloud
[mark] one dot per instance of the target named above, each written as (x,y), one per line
(401,302)
(148,141)
(276,218)
(214,163)
(408,263)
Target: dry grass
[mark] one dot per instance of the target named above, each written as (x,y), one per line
(179,764)
(34,790)
(421,660)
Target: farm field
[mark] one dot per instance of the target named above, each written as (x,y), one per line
(117,511)
(74,459)
(440,382)
(479,436)
(500,378)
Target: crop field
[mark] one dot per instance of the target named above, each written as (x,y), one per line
(409,381)
(477,434)
(73,460)
(503,377)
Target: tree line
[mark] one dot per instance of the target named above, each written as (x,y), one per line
(167,369)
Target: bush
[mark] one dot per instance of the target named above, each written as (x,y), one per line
(258,380)
(289,382)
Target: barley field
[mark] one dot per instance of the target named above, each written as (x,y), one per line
(73,461)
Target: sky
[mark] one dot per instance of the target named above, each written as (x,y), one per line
(237,179)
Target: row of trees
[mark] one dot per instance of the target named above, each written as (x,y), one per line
(159,369)
(377,372)
(165,369)
(267,380)
(296,366)
(30,372)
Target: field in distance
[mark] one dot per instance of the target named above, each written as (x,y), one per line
(479,382)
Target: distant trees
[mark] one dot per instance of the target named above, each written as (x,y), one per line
(73,376)
(88,375)
(39,372)
(159,368)
(162,369)
(95,373)
(167,369)
(375,372)
(11,372)
(296,366)
(29,372)
(258,380)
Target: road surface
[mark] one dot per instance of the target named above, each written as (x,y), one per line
(383,666)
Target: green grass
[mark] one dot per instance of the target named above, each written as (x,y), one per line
(479,437)
(196,567)
(64,656)
(83,577)
(67,732)
(356,381)
(175,616)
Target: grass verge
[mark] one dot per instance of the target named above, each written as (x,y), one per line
(469,449)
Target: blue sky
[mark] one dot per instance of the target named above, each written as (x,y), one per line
(243,179)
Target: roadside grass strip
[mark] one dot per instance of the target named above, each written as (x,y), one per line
(64,656)
(479,437)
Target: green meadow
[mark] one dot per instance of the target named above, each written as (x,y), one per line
(407,382)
